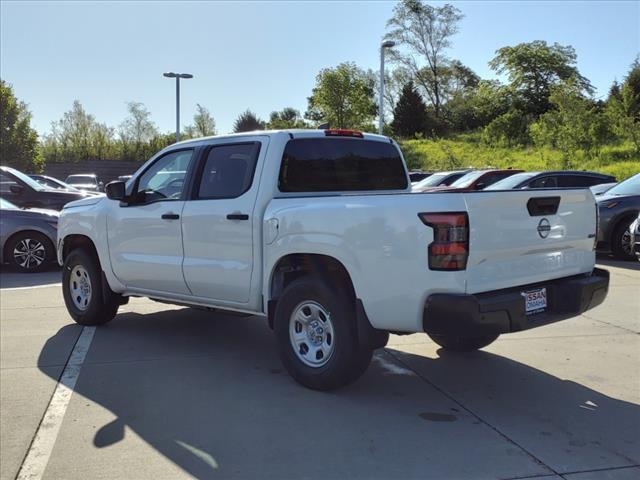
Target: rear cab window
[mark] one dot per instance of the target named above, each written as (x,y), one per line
(320,164)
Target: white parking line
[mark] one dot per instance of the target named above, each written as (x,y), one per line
(2,289)
(38,456)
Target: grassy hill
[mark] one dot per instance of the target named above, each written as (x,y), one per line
(468,151)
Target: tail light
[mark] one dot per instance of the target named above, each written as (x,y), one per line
(339,132)
(450,247)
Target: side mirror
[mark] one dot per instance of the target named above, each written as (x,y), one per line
(17,189)
(480,185)
(116,190)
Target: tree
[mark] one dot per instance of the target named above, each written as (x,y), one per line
(394,82)
(18,141)
(574,123)
(425,32)
(509,129)
(77,136)
(623,107)
(534,68)
(472,108)
(343,97)
(138,128)
(410,114)
(203,123)
(286,118)
(247,122)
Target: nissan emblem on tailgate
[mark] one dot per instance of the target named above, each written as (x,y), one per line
(544,227)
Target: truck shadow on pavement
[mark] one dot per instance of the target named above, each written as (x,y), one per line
(207,391)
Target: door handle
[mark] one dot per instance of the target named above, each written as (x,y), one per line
(237,216)
(170,216)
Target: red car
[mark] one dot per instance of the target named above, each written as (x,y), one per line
(475,180)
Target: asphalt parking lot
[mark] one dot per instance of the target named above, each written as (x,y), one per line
(168,392)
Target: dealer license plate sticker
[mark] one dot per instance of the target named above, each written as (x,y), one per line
(535,301)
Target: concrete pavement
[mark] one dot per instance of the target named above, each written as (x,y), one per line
(171,392)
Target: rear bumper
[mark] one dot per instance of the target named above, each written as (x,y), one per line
(503,311)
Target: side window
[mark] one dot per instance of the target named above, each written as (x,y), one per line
(544,182)
(5,183)
(492,178)
(577,181)
(165,179)
(228,171)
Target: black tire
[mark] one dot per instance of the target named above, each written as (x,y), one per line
(39,251)
(621,235)
(347,361)
(456,343)
(98,310)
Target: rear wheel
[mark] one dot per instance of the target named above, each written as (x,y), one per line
(30,251)
(82,289)
(316,333)
(621,241)
(456,343)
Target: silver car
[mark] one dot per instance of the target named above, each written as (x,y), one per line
(27,237)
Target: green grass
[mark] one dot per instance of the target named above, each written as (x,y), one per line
(468,151)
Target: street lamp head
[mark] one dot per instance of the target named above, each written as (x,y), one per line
(185,75)
(388,44)
(170,75)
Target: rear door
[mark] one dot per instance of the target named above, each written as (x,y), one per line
(525,236)
(218,222)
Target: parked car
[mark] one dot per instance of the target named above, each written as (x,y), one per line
(554,179)
(439,179)
(25,192)
(416,176)
(54,183)
(27,237)
(87,181)
(634,232)
(308,234)
(617,209)
(476,180)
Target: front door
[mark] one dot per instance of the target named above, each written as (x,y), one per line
(145,236)
(218,223)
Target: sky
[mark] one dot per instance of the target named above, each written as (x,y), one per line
(261,55)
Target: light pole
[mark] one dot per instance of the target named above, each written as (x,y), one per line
(386,44)
(178,76)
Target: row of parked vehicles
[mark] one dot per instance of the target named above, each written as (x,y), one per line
(30,205)
(618,203)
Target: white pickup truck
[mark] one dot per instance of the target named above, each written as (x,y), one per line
(317,231)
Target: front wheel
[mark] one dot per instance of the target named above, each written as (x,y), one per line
(83,290)
(316,334)
(622,241)
(30,251)
(456,343)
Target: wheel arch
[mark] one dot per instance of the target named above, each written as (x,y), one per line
(75,240)
(628,215)
(292,266)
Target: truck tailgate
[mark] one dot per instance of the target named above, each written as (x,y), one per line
(518,237)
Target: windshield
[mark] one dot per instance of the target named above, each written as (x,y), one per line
(26,180)
(512,181)
(5,205)
(80,179)
(631,186)
(468,179)
(432,181)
